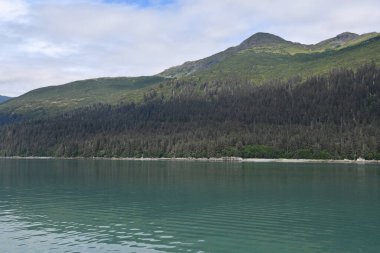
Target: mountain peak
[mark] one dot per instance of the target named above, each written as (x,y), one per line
(347,36)
(340,39)
(259,39)
(260,44)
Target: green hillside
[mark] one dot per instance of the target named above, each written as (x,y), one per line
(81,93)
(259,65)
(260,58)
(264,57)
(331,116)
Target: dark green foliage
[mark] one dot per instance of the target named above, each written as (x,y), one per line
(7,118)
(325,117)
(259,151)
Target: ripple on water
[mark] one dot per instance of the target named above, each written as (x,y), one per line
(187,207)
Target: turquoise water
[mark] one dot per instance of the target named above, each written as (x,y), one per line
(158,206)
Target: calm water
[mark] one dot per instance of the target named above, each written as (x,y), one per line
(134,206)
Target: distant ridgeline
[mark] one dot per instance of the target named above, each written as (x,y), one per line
(3,99)
(266,98)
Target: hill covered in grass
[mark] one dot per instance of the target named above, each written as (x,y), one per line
(264,57)
(261,58)
(55,99)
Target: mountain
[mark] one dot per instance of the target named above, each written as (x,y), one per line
(330,116)
(257,40)
(261,58)
(339,40)
(78,94)
(266,97)
(4,98)
(264,56)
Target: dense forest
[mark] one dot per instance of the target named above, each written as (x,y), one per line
(332,116)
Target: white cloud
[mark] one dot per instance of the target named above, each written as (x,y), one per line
(44,48)
(11,10)
(47,42)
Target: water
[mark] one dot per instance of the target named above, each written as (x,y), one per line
(157,206)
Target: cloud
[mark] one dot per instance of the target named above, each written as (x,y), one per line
(11,10)
(47,42)
(44,48)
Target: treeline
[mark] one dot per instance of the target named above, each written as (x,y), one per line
(333,116)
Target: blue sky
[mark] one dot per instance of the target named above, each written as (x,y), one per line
(143,3)
(52,42)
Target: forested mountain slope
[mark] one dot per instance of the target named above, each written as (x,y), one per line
(267,97)
(335,115)
(260,58)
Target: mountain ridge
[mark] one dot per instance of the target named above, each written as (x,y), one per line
(266,98)
(262,39)
(3,99)
(260,58)
(340,38)
(190,67)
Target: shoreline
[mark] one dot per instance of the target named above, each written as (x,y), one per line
(212,159)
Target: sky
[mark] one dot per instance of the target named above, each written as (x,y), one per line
(52,42)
